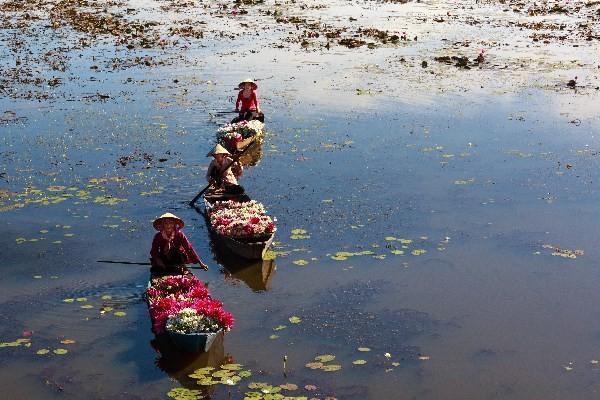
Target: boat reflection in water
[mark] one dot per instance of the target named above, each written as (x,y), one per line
(178,365)
(257,274)
(252,156)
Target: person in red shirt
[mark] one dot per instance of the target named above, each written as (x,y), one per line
(171,249)
(247,103)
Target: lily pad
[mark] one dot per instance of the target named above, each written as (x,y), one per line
(41,352)
(232,367)
(60,352)
(359,362)
(289,386)
(244,374)
(120,314)
(325,358)
(331,367)
(294,319)
(314,365)
(185,394)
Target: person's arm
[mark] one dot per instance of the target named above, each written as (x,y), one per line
(190,253)
(155,252)
(256,101)
(209,171)
(238,102)
(237,169)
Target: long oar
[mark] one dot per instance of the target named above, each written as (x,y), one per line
(233,160)
(138,263)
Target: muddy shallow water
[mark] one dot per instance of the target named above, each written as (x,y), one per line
(468,193)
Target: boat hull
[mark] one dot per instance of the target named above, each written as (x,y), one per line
(245,248)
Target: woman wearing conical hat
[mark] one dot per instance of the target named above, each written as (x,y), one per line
(223,172)
(171,249)
(247,103)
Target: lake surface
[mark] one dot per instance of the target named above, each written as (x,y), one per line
(470,196)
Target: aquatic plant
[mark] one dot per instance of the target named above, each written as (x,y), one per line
(170,295)
(188,320)
(247,219)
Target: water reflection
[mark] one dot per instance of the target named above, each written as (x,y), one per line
(256,274)
(252,155)
(178,365)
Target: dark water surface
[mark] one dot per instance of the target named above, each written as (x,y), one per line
(462,197)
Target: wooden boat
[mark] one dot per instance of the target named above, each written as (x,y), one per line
(252,248)
(248,156)
(189,343)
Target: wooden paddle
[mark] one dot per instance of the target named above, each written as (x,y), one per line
(233,160)
(140,263)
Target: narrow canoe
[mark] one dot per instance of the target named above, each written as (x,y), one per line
(189,343)
(249,248)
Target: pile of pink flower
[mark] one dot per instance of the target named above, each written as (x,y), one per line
(245,219)
(170,294)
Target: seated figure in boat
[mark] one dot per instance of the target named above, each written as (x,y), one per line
(247,102)
(223,172)
(171,249)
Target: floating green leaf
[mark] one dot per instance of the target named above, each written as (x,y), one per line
(418,252)
(60,352)
(273,337)
(325,358)
(81,299)
(232,367)
(68,300)
(294,319)
(331,368)
(245,374)
(300,262)
(359,362)
(364,349)
(41,352)
(185,394)
(222,373)
(397,252)
(279,328)
(289,386)
(314,365)
(16,343)
(120,314)
(87,306)
(258,385)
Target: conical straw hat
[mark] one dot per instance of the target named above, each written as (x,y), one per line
(249,80)
(218,149)
(159,221)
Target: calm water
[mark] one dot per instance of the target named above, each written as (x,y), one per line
(462,193)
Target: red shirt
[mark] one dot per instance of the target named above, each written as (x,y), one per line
(246,104)
(161,246)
